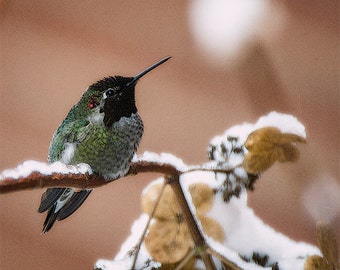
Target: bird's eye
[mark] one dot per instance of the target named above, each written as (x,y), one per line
(109,93)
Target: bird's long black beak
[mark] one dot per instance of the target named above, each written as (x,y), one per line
(141,74)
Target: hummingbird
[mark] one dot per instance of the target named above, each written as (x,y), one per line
(103,130)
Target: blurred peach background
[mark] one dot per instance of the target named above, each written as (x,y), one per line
(52,50)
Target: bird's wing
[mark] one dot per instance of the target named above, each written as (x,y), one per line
(62,202)
(71,132)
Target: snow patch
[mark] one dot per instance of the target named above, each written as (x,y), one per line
(164,158)
(30,166)
(286,123)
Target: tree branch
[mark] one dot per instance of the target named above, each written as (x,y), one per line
(191,222)
(38,180)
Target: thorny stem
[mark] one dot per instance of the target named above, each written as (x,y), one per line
(147,226)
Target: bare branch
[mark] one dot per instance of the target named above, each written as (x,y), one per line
(146,227)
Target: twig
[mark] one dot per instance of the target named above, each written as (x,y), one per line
(187,257)
(228,263)
(147,226)
(211,168)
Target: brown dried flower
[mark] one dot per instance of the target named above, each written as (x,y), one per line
(169,238)
(267,145)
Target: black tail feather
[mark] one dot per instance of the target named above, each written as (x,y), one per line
(54,197)
(50,219)
(73,204)
(49,197)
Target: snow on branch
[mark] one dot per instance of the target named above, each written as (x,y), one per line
(33,174)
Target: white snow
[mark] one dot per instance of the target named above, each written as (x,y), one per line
(233,256)
(163,158)
(30,166)
(247,233)
(286,123)
(198,177)
(240,131)
(122,260)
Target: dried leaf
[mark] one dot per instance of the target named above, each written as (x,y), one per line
(202,197)
(262,139)
(212,228)
(257,162)
(267,145)
(188,266)
(149,198)
(168,242)
(288,152)
(169,239)
(167,207)
(291,138)
(315,262)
